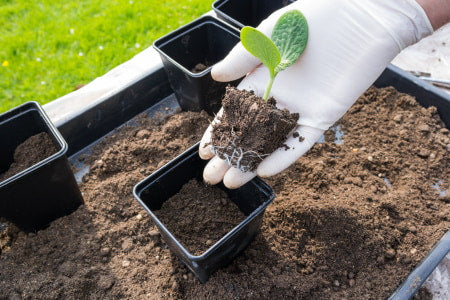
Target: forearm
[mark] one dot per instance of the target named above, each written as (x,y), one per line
(438,11)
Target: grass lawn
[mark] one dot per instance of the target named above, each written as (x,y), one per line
(49,47)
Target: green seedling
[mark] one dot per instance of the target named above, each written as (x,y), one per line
(287,43)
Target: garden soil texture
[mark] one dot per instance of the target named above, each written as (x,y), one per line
(350,219)
(180,214)
(32,151)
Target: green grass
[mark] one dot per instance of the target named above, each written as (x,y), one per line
(49,47)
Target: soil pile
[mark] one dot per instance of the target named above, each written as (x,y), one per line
(250,129)
(351,220)
(199,215)
(30,152)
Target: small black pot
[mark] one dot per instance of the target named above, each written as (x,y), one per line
(242,13)
(207,40)
(252,199)
(45,191)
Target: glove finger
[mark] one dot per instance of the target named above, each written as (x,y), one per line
(236,64)
(235,178)
(281,158)
(215,170)
(204,150)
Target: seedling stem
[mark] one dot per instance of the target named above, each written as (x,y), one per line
(269,86)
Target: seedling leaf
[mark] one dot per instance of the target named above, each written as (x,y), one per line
(290,36)
(262,47)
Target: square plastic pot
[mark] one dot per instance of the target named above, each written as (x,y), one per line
(242,13)
(45,191)
(207,40)
(252,199)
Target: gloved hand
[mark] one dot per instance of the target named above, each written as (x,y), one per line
(350,44)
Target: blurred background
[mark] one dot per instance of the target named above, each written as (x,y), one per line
(49,48)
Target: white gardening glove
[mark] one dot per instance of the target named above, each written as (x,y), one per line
(350,43)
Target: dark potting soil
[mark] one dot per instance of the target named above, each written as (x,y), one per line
(30,152)
(250,129)
(351,220)
(200,67)
(199,231)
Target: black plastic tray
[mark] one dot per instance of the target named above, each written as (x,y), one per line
(153,93)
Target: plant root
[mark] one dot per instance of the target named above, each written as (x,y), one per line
(239,158)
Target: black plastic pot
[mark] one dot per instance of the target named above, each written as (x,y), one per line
(45,191)
(206,40)
(242,13)
(252,199)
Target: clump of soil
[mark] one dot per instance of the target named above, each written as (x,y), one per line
(200,67)
(8,234)
(199,215)
(30,152)
(336,230)
(250,129)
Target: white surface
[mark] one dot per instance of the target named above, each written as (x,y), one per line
(439,281)
(431,55)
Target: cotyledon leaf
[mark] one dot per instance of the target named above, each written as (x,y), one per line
(262,47)
(290,36)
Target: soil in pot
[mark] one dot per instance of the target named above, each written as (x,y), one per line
(351,220)
(199,215)
(250,129)
(200,67)
(30,152)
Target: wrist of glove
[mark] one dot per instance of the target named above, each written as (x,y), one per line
(350,44)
